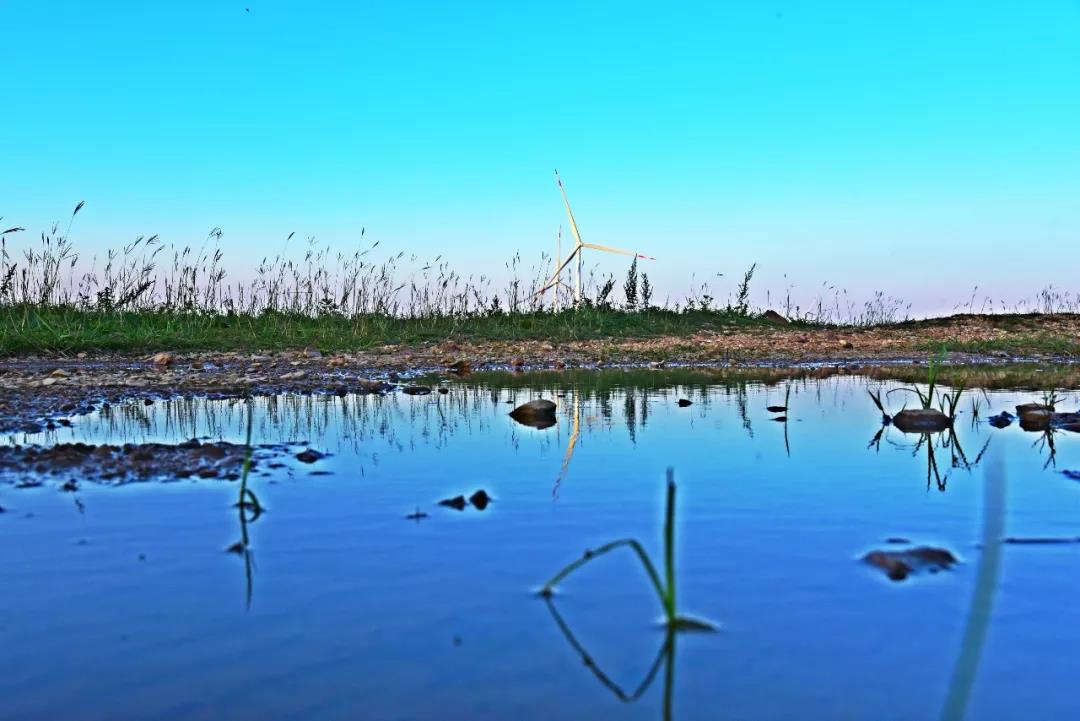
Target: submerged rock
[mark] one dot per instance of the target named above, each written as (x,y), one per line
(684,402)
(1066,422)
(480,499)
(1001,420)
(416,390)
(538,413)
(310,456)
(458,503)
(898,565)
(921,420)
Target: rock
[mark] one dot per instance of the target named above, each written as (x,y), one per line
(1036,419)
(480,499)
(336,362)
(845,343)
(81,356)
(162,360)
(538,413)
(443,390)
(369,386)
(59,373)
(517,362)
(898,565)
(458,503)
(684,402)
(312,353)
(49,381)
(1001,420)
(416,390)
(657,364)
(460,367)
(292,376)
(309,456)
(921,420)
(1066,422)
(776,409)
(774,318)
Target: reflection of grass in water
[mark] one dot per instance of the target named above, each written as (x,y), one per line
(663,654)
(982,600)
(246,502)
(665,590)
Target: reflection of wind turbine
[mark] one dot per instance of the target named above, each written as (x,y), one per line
(576,254)
(575,433)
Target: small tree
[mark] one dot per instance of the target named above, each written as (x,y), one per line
(603,295)
(630,287)
(646,292)
(742,296)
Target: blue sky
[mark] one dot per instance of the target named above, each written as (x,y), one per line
(913,147)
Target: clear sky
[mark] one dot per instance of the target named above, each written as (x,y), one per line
(918,148)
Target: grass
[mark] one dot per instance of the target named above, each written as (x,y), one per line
(29,329)
(148,296)
(665,589)
(948,402)
(977,622)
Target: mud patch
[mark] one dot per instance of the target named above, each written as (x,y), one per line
(72,463)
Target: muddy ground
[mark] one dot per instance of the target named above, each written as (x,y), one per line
(39,392)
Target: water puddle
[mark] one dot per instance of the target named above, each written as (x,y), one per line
(388,558)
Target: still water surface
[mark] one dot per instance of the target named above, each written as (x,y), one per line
(129,608)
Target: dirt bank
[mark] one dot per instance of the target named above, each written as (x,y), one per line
(39,391)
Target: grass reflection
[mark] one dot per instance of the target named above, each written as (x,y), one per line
(665,657)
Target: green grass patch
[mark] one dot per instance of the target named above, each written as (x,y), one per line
(31,329)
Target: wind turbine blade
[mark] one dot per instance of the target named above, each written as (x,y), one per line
(569,213)
(554,279)
(620,251)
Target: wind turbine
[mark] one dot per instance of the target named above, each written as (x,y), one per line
(576,254)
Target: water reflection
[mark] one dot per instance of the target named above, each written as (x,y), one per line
(665,657)
(248,508)
(589,405)
(772,554)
